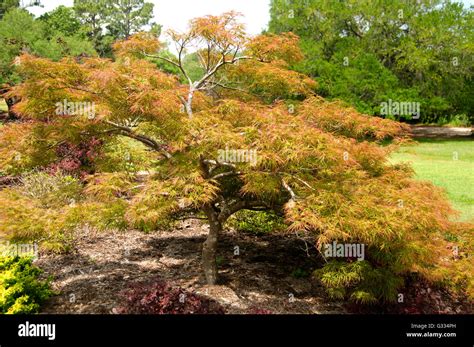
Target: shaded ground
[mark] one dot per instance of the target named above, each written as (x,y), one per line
(270,273)
(265,274)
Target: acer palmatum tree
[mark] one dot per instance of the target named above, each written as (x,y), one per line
(247,134)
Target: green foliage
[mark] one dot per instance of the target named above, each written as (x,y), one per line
(127,18)
(366,52)
(192,65)
(457,120)
(166,66)
(62,20)
(359,281)
(124,155)
(51,190)
(47,37)
(101,216)
(121,19)
(21,291)
(257,222)
(6,5)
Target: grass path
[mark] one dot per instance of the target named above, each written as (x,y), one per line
(448,163)
(3,106)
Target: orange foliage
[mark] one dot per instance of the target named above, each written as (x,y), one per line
(136,45)
(335,118)
(271,47)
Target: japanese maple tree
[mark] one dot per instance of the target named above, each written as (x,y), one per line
(319,164)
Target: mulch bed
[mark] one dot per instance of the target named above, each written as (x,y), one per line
(270,273)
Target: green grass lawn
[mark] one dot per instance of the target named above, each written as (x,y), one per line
(448,164)
(3,106)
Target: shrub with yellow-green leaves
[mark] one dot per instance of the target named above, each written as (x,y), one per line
(124,155)
(21,290)
(48,208)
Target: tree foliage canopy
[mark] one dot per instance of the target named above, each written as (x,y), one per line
(48,37)
(119,18)
(246,133)
(366,52)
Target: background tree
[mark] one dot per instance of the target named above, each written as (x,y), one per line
(63,20)
(127,17)
(317,163)
(109,20)
(6,5)
(49,37)
(92,14)
(407,51)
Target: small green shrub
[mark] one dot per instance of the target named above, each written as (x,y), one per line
(124,155)
(51,190)
(359,281)
(21,292)
(458,120)
(258,222)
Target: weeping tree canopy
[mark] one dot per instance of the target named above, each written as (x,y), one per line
(121,144)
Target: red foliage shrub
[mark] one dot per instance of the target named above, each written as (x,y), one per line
(258,310)
(160,297)
(76,158)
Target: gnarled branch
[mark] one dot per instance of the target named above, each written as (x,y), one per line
(149,142)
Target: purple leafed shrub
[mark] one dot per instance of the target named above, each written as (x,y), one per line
(257,310)
(160,297)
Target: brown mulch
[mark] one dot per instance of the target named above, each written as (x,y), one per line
(263,276)
(271,273)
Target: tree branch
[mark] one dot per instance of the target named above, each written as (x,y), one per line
(225,174)
(143,139)
(229,210)
(219,163)
(288,188)
(178,64)
(216,68)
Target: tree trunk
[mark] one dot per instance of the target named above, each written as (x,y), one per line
(189,103)
(209,249)
(11,115)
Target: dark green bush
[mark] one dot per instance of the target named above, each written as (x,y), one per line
(21,292)
(258,222)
